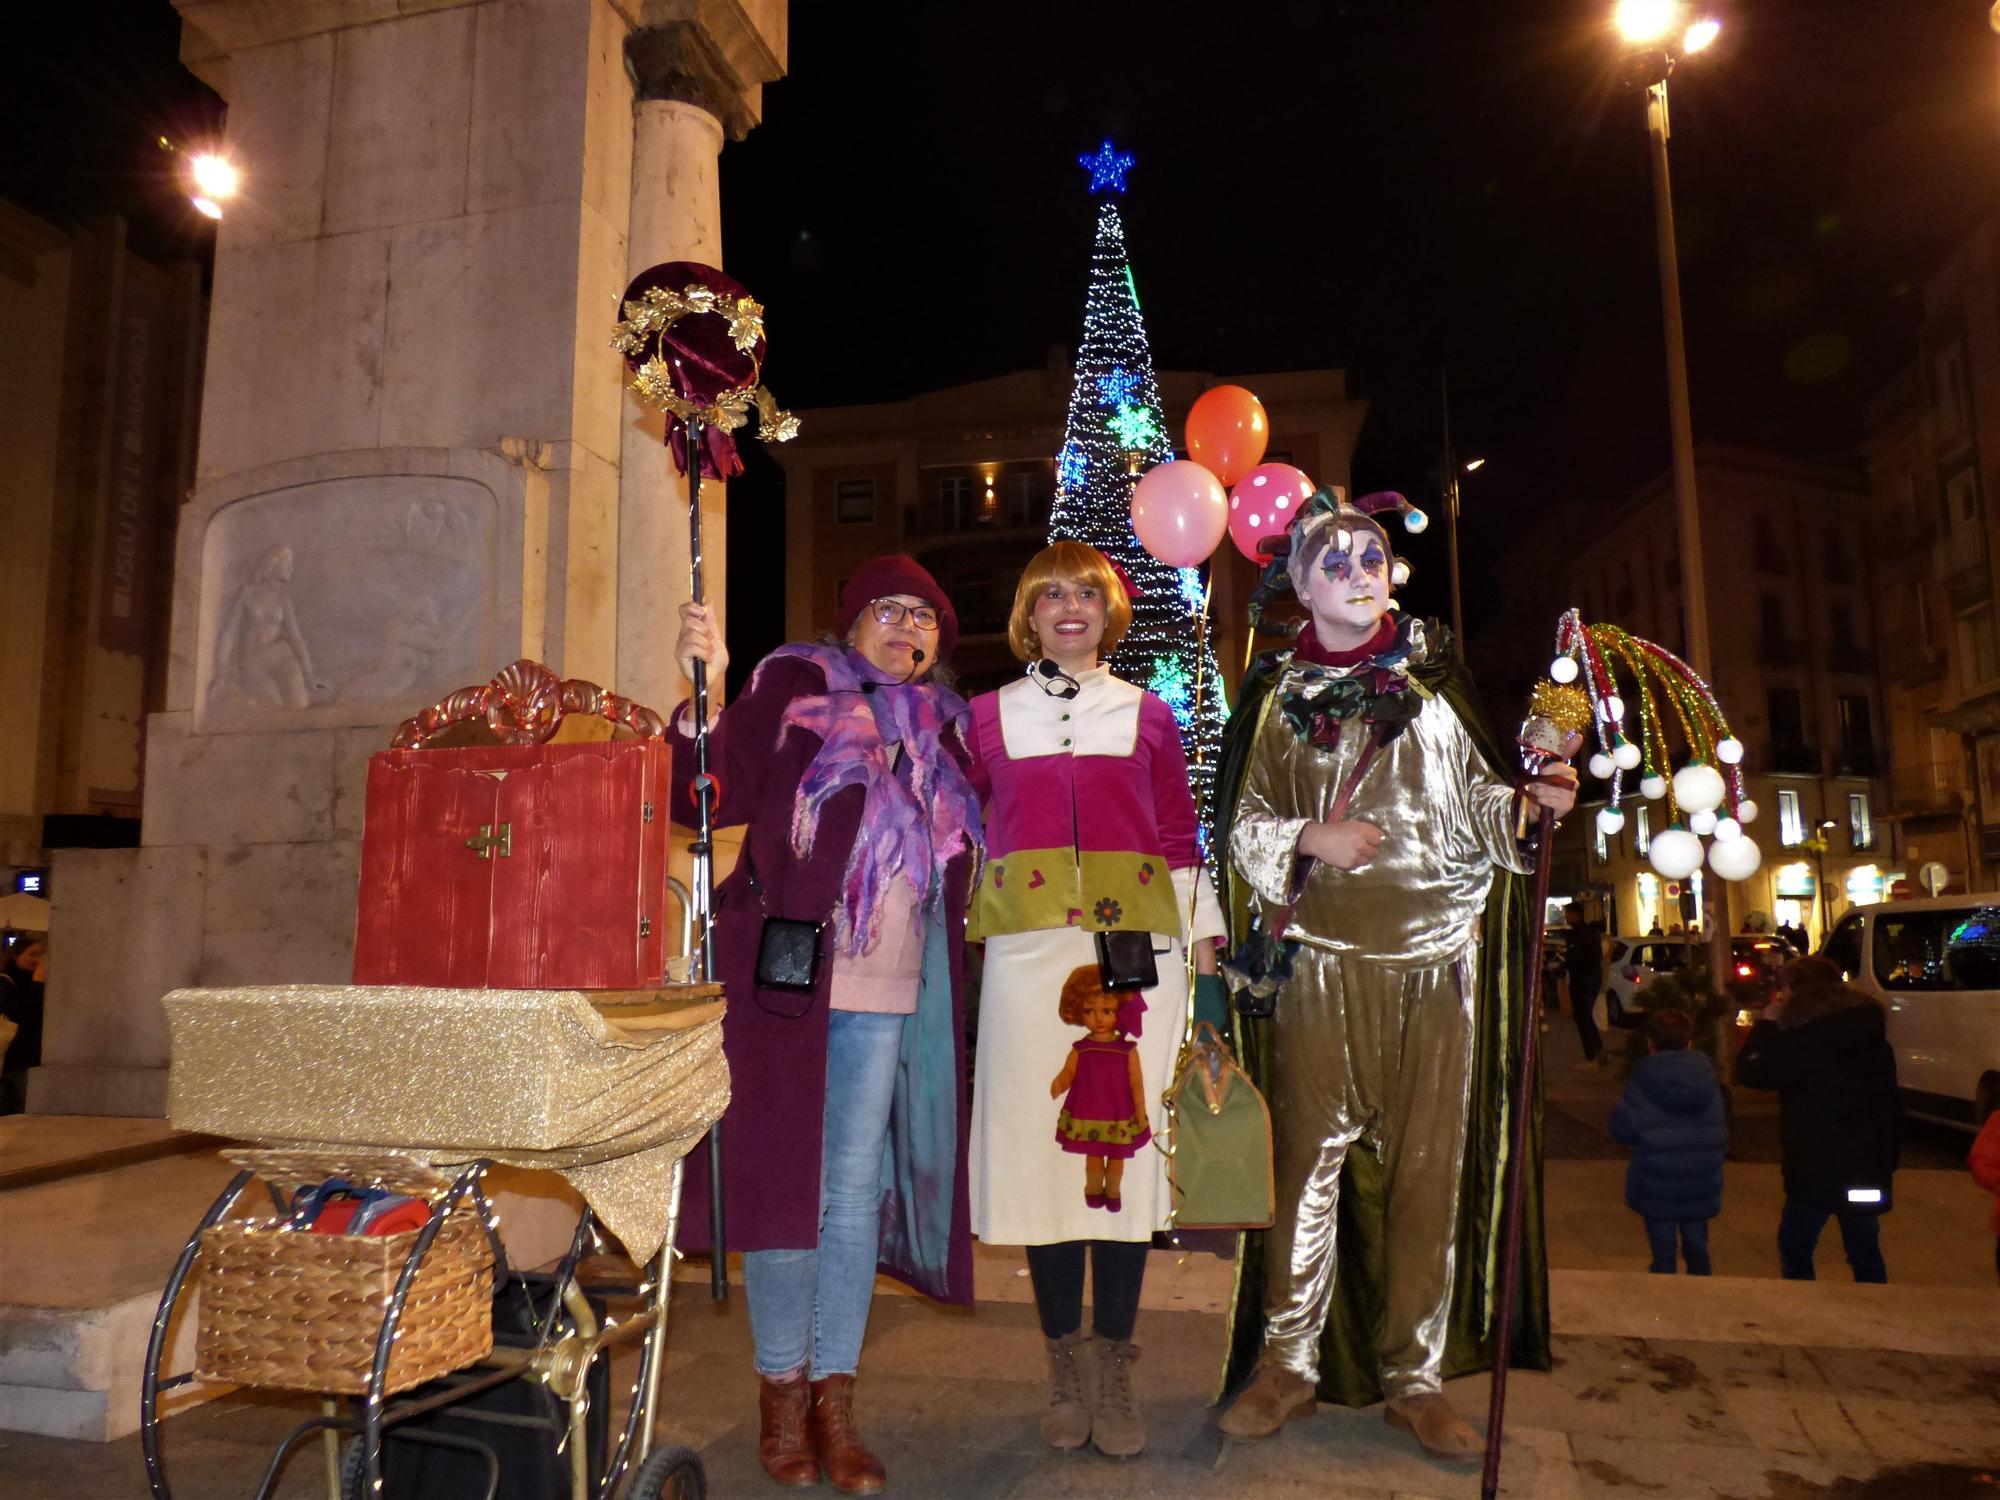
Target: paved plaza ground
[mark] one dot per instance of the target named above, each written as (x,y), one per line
(1740,1386)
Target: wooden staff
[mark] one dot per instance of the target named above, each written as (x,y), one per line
(1517,1153)
(703,850)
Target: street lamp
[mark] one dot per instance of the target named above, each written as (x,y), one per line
(1657,34)
(212,179)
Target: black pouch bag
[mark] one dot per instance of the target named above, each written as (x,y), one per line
(787,956)
(1125,961)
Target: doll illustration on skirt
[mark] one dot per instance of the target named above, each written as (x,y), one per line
(1104,1118)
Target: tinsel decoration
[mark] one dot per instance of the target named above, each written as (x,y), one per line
(1704,796)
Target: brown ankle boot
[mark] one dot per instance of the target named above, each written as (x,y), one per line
(1430,1418)
(783,1442)
(849,1466)
(1273,1397)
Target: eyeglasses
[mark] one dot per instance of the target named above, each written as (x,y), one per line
(892,611)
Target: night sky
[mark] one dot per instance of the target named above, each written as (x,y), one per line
(1391,186)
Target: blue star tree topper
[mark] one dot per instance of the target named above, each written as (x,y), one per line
(1107,167)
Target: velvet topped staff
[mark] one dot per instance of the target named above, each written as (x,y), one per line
(1557,717)
(694,341)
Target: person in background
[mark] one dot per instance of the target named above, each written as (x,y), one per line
(1671,1116)
(1584,957)
(1984,1163)
(23,976)
(1822,1045)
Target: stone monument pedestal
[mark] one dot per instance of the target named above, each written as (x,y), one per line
(417,460)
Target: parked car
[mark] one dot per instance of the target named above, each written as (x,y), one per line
(1935,966)
(1635,961)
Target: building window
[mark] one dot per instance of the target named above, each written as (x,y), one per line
(1952,394)
(1791,825)
(1860,825)
(1623,596)
(1787,727)
(1674,570)
(854,501)
(1764,549)
(1838,567)
(1961,514)
(1771,620)
(955,501)
(1857,724)
(1978,659)
(1600,844)
(1642,831)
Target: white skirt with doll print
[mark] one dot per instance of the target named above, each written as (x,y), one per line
(1026,1189)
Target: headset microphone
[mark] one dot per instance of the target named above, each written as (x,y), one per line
(1054,680)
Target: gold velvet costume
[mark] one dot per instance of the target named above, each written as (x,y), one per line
(1373,1036)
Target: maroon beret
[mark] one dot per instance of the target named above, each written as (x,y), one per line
(893,573)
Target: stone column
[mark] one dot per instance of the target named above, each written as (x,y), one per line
(685,92)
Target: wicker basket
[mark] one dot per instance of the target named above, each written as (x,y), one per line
(302,1311)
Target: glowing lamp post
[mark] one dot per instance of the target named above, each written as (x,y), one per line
(215,181)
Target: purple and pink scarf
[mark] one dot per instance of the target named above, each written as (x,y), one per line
(910,827)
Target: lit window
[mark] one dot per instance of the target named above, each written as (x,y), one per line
(1601,848)
(1860,825)
(1791,826)
(854,501)
(1642,832)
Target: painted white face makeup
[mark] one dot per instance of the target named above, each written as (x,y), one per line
(1347,588)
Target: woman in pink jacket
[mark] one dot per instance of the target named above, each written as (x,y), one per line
(1090,827)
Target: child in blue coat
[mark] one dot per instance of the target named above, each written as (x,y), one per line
(1671,1116)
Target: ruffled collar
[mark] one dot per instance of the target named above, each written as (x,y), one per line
(1324,689)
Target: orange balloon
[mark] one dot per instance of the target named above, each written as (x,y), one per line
(1227,431)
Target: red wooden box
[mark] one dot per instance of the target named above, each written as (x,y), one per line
(516,867)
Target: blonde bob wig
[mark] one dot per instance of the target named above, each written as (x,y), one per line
(1079,566)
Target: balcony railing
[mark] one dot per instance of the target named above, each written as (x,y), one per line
(1968,588)
(1795,759)
(1777,650)
(1857,760)
(1928,789)
(1912,662)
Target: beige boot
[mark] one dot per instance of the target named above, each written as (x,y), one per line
(1066,1423)
(1441,1430)
(1273,1397)
(1116,1429)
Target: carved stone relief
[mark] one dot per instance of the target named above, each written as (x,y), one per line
(347,601)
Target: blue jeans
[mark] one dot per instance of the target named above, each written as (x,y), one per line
(1798,1234)
(1693,1236)
(811,1306)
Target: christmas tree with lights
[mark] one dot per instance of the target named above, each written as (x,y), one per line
(1116,431)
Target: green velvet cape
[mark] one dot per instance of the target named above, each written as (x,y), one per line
(1347,1361)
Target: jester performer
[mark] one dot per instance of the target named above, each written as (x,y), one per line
(1374,836)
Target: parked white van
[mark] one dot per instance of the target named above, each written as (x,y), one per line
(1936,966)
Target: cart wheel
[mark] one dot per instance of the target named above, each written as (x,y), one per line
(352,1471)
(671,1473)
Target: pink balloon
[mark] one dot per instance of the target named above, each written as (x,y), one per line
(1179,513)
(1263,504)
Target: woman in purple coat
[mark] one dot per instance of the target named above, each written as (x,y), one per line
(846,1130)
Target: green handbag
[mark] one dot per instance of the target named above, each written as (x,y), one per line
(1219,1160)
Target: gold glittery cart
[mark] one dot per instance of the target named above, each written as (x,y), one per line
(421,1091)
